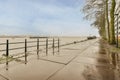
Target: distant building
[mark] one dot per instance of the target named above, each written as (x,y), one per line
(117,18)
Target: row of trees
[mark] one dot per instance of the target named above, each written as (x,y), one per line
(101,12)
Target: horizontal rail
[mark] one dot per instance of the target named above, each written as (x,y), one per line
(16,42)
(2,50)
(31,46)
(2,43)
(42,41)
(43,45)
(23,47)
(21,42)
(31,41)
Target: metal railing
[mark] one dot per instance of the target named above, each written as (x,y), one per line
(45,43)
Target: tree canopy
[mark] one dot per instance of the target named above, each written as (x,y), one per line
(99,13)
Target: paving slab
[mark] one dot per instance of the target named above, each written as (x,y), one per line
(33,70)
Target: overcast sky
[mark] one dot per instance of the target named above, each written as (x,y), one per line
(44,17)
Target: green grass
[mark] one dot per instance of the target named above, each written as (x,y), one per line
(3,59)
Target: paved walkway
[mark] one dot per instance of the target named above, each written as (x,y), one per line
(80,61)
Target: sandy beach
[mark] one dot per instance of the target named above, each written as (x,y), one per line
(15,39)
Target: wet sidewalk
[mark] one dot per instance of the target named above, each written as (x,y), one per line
(89,65)
(80,61)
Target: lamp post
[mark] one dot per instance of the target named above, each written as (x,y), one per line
(117,32)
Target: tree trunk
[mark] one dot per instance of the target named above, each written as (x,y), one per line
(107,19)
(112,31)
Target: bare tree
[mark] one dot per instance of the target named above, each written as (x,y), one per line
(95,10)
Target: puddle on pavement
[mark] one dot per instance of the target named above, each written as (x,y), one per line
(112,56)
(94,73)
(90,73)
(102,60)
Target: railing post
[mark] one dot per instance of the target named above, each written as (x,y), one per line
(38,47)
(7,48)
(46,46)
(53,46)
(7,53)
(58,45)
(25,51)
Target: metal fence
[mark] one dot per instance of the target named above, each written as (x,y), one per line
(54,42)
